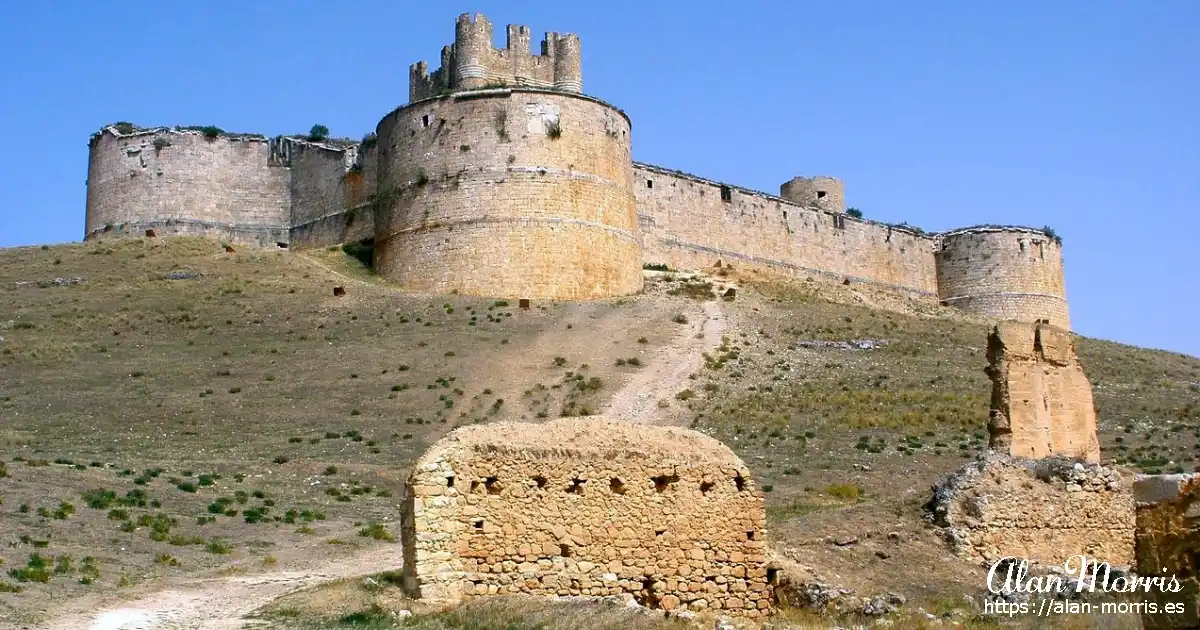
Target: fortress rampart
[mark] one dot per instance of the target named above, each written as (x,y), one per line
(501,178)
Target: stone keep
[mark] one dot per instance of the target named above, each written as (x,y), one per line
(668,517)
(1041,400)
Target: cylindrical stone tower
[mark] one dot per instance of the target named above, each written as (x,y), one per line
(1003,273)
(515,193)
(568,69)
(472,50)
(827,193)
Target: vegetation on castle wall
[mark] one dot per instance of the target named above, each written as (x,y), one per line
(318,133)
(854,212)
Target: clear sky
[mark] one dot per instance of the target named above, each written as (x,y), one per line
(1083,116)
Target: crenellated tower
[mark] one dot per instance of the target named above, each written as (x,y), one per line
(471,62)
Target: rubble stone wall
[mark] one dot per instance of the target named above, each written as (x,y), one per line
(668,517)
(1045,511)
(1168,544)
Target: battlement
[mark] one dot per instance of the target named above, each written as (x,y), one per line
(472,62)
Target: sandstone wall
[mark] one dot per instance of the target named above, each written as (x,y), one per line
(1003,273)
(472,62)
(188,184)
(508,193)
(1041,400)
(1168,544)
(1044,511)
(666,516)
(323,179)
(689,222)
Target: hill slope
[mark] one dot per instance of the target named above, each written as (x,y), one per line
(183,411)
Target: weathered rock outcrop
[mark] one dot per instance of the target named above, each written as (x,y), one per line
(1041,400)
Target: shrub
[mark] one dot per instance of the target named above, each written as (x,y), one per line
(377,531)
(318,133)
(854,212)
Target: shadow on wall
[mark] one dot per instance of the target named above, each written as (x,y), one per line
(363,251)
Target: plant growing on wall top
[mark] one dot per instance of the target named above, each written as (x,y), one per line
(1052,234)
(553,129)
(318,133)
(854,212)
(369,140)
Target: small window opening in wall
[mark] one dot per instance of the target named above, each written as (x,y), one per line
(1022,244)
(540,481)
(281,245)
(772,576)
(564,550)
(659,532)
(616,485)
(740,482)
(839,221)
(649,183)
(425,120)
(820,194)
(576,486)
(705,487)
(785,215)
(479,524)
(450,482)
(726,194)
(492,485)
(475,486)
(662,482)
(750,535)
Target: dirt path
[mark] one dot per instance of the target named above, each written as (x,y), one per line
(668,372)
(221,603)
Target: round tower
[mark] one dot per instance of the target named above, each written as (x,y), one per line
(568,69)
(1003,273)
(472,49)
(516,193)
(827,193)
(185,182)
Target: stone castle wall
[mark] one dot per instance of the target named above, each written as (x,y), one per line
(181,182)
(508,193)
(501,178)
(668,517)
(1003,273)
(471,62)
(688,221)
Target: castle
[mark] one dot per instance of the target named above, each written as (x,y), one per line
(502,178)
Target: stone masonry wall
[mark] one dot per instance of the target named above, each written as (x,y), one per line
(1003,273)
(687,221)
(1045,511)
(1168,544)
(1041,400)
(665,516)
(508,193)
(322,180)
(186,184)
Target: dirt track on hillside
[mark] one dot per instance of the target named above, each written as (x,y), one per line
(222,603)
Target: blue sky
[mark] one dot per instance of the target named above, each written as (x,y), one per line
(1084,116)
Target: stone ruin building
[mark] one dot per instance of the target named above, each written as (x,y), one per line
(1041,399)
(1168,544)
(1040,492)
(668,517)
(502,178)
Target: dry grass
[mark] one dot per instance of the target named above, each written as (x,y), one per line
(156,429)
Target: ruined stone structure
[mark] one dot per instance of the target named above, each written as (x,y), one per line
(1042,510)
(1041,399)
(1168,544)
(666,516)
(501,178)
